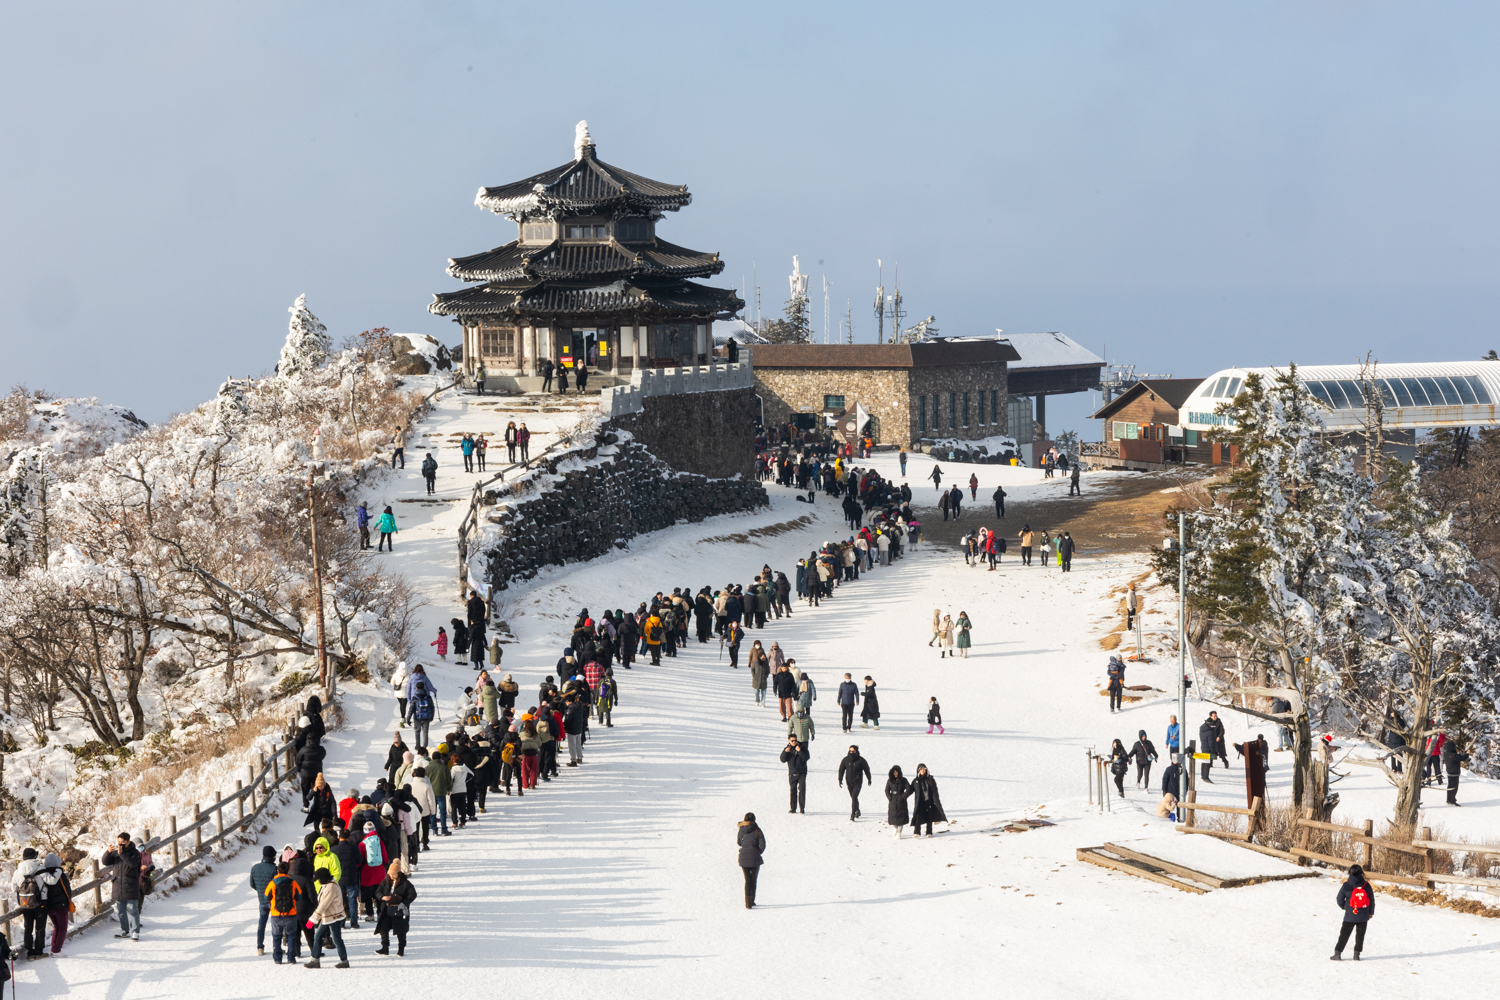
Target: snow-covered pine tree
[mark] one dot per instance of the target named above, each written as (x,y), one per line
(23,515)
(1270,560)
(795,328)
(1419,650)
(307,343)
(231,408)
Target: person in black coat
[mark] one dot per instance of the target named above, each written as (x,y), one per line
(1206,735)
(1357,899)
(897,791)
(857,770)
(351,867)
(1453,762)
(1143,753)
(794,755)
(785,686)
(396,894)
(394,757)
(310,765)
(752,844)
(926,806)
(307,900)
(321,805)
(1119,764)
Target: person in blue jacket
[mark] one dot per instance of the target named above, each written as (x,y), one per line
(847,698)
(261,874)
(362,518)
(1357,898)
(1174,736)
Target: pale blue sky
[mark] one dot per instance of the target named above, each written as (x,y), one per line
(1196,185)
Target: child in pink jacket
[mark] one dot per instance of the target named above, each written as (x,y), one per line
(441,642)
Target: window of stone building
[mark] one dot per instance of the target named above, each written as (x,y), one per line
(833,402)
(966,410)
(994,406)
(952,410)
(981,409)
(922,414)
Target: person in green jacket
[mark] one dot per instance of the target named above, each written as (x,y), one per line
(442,783)
(387,526)
(963,633)
(490,697)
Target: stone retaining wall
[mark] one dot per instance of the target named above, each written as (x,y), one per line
(706,433)
(624,492)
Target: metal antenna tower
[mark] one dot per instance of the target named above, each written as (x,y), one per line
(879,304)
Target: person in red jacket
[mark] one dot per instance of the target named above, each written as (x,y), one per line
(376,860)
(346,806)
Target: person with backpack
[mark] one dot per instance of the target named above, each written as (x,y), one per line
(654,631)
(362,519)
(124,862)
(28,889)
(387,526)
(57,899)
(374,859)
(327,920)
(752,845)
(285,895)
(1357,899)
(261,874)
(421,704)
(396,896)
(1116,674)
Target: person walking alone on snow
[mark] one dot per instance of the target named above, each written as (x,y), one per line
(794,756)
(871,710)
(934,716)
(856,770)
(752,844)
(848,695)
(1119,763)
(1143,753)
(1357,899)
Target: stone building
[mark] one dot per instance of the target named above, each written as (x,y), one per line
(587,281)
(912,392)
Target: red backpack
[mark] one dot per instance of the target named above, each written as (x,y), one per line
(1359,899)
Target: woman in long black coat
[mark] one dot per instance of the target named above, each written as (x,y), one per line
(926,806)
(897,791)
(752,845)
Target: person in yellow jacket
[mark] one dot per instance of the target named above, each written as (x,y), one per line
(323,857)
(654,630)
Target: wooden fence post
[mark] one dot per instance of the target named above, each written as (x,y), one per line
(1303,841)
(1256,806)
(174,842)
(275,771)
(197,830)
(250,773)
(239,798)
(219,814)
(1367,855)
(1192,814)
(1427,855)
(98,889)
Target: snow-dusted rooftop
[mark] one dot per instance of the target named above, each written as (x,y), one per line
(1048,350)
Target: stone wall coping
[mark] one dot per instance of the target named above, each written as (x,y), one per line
(617,401)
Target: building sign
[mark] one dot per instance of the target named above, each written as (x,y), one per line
(1206,420)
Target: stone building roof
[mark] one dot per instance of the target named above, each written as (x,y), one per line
(920,355)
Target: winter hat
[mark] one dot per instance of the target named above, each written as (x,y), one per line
(369,828)
(386,810)
(442,748)
(53,861)
(304,722)
(268,853)
(1142,734)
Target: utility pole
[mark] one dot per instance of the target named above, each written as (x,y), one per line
(325,678)
(826,286)
(1184,761)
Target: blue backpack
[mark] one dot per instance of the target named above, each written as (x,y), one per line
(422,708)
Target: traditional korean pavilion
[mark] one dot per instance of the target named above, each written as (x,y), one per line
(587,280)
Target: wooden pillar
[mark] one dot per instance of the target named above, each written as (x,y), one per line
(98,889)
(1367,850)
(239,797)
(197,831)
(1427,853)
(1192,814)
(175,843)
(219,813)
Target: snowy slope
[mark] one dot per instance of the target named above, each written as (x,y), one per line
(620,876)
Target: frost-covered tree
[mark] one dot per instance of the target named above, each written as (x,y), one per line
(231,408)
(23,512)
(1270,560)
(307,343)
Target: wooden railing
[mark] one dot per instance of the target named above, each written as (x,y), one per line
(259,791)
(1102,449)
(1254,815)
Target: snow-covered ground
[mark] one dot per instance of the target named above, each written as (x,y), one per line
(620,876)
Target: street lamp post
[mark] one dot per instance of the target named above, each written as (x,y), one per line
(1184,761)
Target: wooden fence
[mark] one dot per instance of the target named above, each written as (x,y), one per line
(1254,816)
(259,791)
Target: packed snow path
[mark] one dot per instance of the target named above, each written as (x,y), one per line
(620,875)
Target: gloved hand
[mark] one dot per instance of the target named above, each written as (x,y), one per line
(309,925)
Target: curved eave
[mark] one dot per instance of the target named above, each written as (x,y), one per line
(548,301)
(586,185)
(604,261)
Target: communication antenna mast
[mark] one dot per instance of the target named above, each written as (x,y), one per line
(755,276)
(896,311)
(826,286)
(849,318)
(879,303)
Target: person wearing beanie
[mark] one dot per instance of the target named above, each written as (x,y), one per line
(752,844)
(396,894)
(1357,899)
(374,858)
(261,874)
(1143,753)
(28,895)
